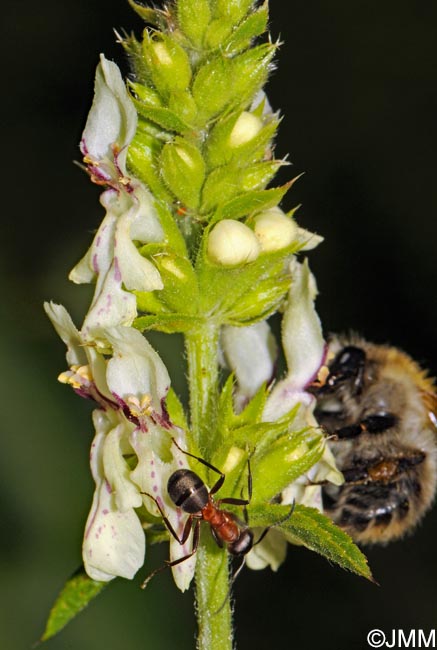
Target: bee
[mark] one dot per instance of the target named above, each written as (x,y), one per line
(379,408)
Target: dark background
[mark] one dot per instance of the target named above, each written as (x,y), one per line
(356,82)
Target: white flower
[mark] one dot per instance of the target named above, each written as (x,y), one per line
(113,261)
(152,474)
(111,124)
(130,387)
(250,352)
(114,541)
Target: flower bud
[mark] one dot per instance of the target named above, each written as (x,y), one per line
(168,64)
(183,170)
(231,242)
(245,129)
(193,19)
(274,230)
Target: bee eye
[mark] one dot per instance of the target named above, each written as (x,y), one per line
(348,365)
(349,361)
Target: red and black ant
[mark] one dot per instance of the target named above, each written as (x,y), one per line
(188,492)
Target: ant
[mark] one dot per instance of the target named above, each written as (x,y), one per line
(188,492)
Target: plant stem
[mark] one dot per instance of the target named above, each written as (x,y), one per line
(202,347)
(213,607)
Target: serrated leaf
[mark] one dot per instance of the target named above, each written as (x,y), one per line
(254,25)
(162,116)
(283,461)
(307,526)
(254,201)
(253,411)
(153,17)
(180,293)
(270,294)
(78,591)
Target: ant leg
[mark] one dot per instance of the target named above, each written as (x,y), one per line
(233,579)
(241,502)
(216,538)
(171,530)
(277,523)
(216,487)
(169,563)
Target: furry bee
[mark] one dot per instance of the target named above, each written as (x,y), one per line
(379,407)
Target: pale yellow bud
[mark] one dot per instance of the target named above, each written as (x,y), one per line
(162,54)
(274,230)
(231,242)
(246,127)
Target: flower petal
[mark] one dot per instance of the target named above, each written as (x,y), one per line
(137,273)
(302,337)
(114,541)
(98,259)
(250,352)
(117,471)
(135,368)
(114,261)
(112,120)
(151,475)
(67,331)
(270,552)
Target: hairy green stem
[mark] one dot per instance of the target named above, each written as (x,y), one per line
(213,607)
(202,346)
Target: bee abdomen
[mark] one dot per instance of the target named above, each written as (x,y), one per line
(375,512)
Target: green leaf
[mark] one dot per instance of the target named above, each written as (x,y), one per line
(162,116)
(266,298)
(180,292)
(141,164)
(183,170)
(78,591)
(254,25)
(193,18)
(287,458)
(307,526)
(167,323)
(254,201)
(153,17)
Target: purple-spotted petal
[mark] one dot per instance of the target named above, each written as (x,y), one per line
(114,541)
(136,370)
(151,475)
